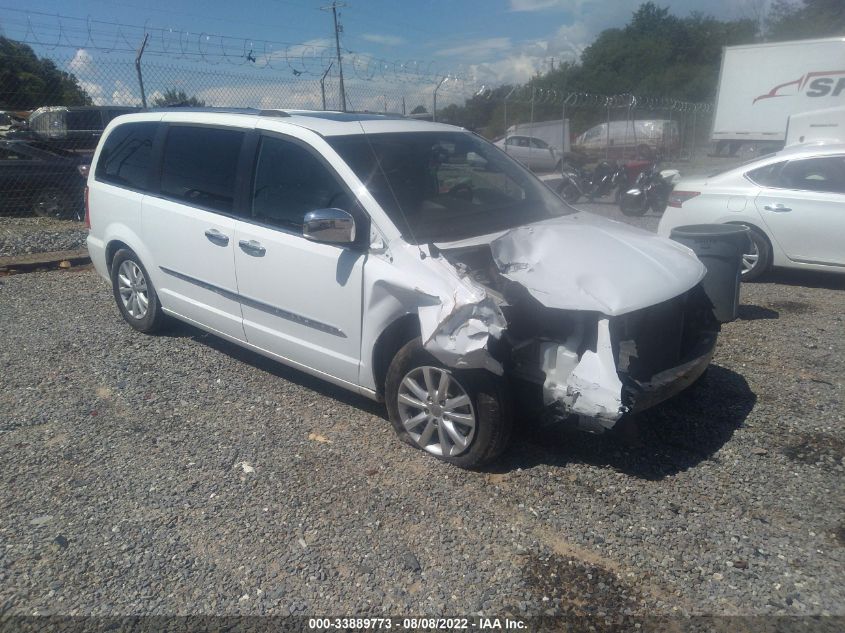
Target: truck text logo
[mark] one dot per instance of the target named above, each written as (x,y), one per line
(817,84)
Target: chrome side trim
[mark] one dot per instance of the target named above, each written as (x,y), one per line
(258,305)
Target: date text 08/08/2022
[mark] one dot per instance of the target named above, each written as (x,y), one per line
(412,624)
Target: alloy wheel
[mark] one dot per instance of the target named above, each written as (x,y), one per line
(436,411)
(749,260)
(132,286)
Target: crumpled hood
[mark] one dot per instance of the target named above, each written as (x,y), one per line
(586,262)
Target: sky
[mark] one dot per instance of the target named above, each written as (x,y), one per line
(495,40)
(477,43)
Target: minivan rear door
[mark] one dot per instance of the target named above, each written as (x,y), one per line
(189,226)
(301,300)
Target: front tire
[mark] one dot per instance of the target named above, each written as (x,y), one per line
(463,417)
(134,293)
(758,260)
(569,191)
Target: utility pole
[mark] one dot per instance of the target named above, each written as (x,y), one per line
(337,29)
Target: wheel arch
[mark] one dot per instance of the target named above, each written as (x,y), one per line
(756,227)
(111,250)
(389,342)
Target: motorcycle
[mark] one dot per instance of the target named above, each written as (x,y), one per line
(606,177)
(577,182)
(651,190)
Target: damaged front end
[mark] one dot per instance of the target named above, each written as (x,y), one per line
(584,342)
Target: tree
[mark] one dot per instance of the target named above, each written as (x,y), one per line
(174,97)
(28,82)
(805,19)
(655,54)
(420,109)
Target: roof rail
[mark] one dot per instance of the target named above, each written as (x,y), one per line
(224,110)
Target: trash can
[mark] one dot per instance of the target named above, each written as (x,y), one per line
(720,248)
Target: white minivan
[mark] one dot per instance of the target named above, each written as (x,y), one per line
(372,252)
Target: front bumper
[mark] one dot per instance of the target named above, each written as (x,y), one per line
(640,395)
(635,361)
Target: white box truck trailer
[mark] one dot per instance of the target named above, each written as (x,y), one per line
(761,85)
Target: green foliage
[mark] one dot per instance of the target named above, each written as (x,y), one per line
(174,97)
(27,82)
(420,109)
(655,54)
(806,19)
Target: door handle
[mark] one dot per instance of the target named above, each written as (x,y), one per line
(252,247)
(778,208)
(217,237)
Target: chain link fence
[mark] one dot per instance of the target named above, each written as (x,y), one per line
(49,128)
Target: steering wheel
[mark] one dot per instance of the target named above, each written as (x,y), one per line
(462,190)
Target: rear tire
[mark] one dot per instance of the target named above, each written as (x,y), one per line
(53,203)
(134,293)
(423,417)
(758,260)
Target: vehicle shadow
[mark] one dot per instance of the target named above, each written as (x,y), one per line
(670,438)
(180,329)
(751,312)
(806,278)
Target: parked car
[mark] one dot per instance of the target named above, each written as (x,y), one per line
(644,138)
(792,201)
(369,251)
(42,179)
(535,153)
(77,127)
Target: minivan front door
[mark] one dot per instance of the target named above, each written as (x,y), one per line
(300,300)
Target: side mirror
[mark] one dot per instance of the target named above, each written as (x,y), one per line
(331,226)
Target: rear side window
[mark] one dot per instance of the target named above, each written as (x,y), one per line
(125,157)
(766,176)
(200,165)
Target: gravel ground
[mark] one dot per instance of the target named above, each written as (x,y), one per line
(23,235)
(181,475)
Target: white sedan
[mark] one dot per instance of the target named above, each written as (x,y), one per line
(793,202)
(534,153)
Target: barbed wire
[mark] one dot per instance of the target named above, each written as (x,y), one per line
(311,59)
(54,31)
(545,96)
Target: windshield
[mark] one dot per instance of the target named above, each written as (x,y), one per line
(444,186)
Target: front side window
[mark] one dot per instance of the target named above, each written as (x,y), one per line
(289,182)
(200,165)
(126,155)
(825,174)
(442,186)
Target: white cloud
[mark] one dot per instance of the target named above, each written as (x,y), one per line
(310,56)
(95,91)
(542,5)
(478,48)
(385,40)
(82,63)
(512,69)
(124,95)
